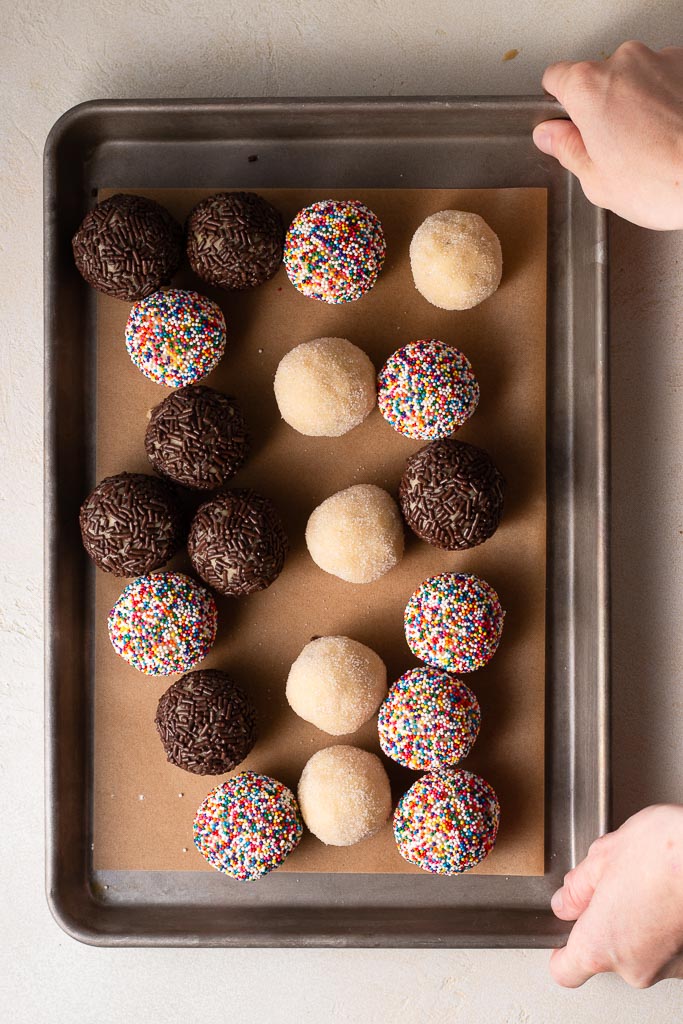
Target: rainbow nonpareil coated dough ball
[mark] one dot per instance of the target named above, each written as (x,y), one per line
(427,390)
(337,684)
(447,822)
(175,337)
(163,623)
(429,719)
(454,621)
(325,387)
(344,795)
(248,826)
(456,259)
(334,250)
(356,534)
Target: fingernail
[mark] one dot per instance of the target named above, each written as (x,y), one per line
(543,141)
(556,901)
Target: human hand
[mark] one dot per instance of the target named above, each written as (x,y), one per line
(625,138)
(626,898)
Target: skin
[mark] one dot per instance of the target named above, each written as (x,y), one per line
(626,898)
(624,141)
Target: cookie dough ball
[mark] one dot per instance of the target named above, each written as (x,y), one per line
(429,719)
(234,240)
(197,437)
(325,387)
(237,543)
(248,826)
(456,259)
(356,534)
(334,250)
(163,623)
(131,523)
(128,246)
(175,337)
(337,684)
(344,795)
(451,495)
(447,822)
(454,621)
(206,723)
(427,390)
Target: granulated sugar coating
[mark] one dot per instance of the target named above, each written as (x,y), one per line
(325,387)
(447,822)
(337,684)
(427,390)
(454,621)
(175,337)
(247,826)
(344,794)
(356,534)
(456,259)
(334,250)
(163,623)
(430,719)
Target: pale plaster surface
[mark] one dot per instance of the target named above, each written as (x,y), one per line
(56,54)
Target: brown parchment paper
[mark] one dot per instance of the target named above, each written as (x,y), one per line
(144,807)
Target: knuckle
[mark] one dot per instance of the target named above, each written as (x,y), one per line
(582,73)
(639,979)
(599,845)
(593,961)
(631,48)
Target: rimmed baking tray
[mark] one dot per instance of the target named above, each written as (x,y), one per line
(343,143)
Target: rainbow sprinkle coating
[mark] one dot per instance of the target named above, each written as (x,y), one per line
(175,337)
(163,623)
(429,719)
(427,390)
(454,621)
(447,822)
(247,826)
(334,250)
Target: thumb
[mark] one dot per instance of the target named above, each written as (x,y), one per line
(562,139)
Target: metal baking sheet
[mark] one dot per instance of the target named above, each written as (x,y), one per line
(351,143)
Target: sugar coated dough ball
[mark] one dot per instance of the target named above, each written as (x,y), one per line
(427,390)
(454,621)
(430,719)
(337,684)
(247,826)
(456,259)
(325,387)
(356,534)
(344,795)
(447,822)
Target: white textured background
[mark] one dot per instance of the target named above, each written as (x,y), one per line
(56,53)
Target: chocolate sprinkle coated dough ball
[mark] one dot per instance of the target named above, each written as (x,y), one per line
(454,621)
(248,826)
(429,719)
(337,684)
(427,389)
(235,240)
(356,534)
(456,259)
(451,495)
(344,795)
(206,723)
(334,250)
(447,822)
(131,524)
(197,438)
(237,543)
(128,246)
(163,623)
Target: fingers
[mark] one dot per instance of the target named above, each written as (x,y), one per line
(555,78)
(572,898)
(579,960)
(562,139)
